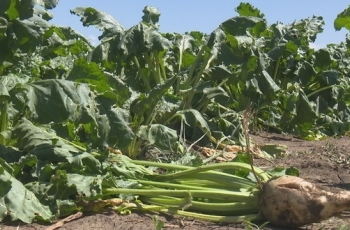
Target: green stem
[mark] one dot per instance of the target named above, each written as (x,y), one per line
(276,68)
(162,69)
(4,120)
(157,68)
(204,66)
(152,67)
(192,80)
(213,218)
(201,180)
(200,216)
(134,147)
(202,105)
(145,79)
(193,67)
(320,90)
(224,207)
(171,117)
(231,181)
(161,165)
(170,185)
(209,194)
(226,165)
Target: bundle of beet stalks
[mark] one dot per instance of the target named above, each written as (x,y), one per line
(212,193)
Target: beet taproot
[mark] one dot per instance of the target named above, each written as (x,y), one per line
(289,201)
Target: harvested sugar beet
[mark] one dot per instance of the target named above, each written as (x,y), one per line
(289,201)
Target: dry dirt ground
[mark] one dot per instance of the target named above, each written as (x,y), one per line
(325,162)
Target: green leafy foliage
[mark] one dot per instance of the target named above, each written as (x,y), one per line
(90,16)
(18,202)
(343,20)
(67,107)
(246,9)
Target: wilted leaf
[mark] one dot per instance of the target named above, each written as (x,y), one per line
(121,134)
(266,83)
(18,202)
(159,136)
(42,144)
(193,118)
(122,166)
(87,186)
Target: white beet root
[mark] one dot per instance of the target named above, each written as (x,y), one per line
(290,201)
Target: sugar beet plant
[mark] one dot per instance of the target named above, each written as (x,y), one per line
(207,80)
(67,107)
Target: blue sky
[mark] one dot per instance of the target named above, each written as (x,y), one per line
(205,16)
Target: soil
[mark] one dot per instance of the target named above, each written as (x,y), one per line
(325,162)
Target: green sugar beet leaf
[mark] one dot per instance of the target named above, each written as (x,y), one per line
(142,38)
(120,133)
(26,8)
(241,25)
(10,154)
(41,143)
(4,6)
(87,186)
(311,27)
(66,42)
(149,102)
(267,84)
(121,165)
(55,193)
(3,27)
(159,136)
(343,20)
(151,15)
(86,72)
(193,118)
(76,103)
(30,29)
(182,43)
(101,20)
(44,98)
(84,162)
(246,9)
(18,202)
(48,4)
(47,146)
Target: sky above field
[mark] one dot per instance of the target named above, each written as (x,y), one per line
(182,16)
